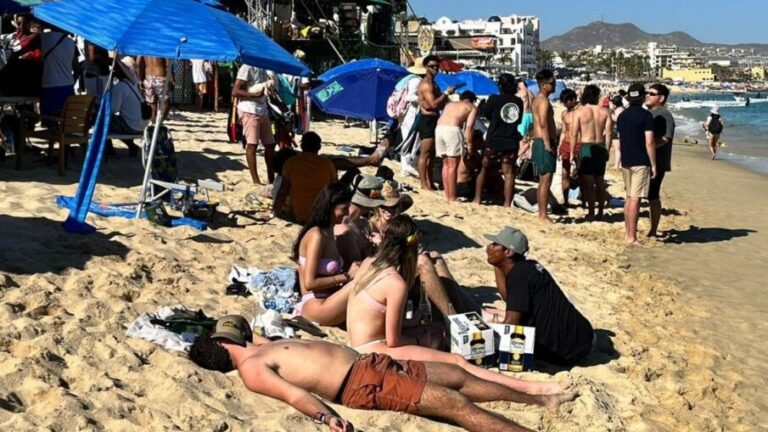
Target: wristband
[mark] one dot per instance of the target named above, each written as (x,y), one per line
(319,418)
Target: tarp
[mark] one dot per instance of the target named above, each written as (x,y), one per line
(173,29)
(559,87)
(474,81)
(358,94)
(17,6)
(358,65)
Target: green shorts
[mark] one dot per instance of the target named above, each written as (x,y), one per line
(544,161)
(592,159)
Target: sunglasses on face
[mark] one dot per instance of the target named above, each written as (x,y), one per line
(433,66)
(652,94)
(391,209)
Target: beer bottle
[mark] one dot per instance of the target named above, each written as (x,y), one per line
(517,349)
(477,348)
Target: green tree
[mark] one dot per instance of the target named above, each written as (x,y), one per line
(544,58)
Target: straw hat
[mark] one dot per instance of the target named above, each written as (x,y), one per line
(367,191)
(418,67)
(392,196)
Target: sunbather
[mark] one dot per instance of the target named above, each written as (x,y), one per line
(376,310)
(321,268)
(370,381)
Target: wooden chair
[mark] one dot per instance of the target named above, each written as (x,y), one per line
(71,128)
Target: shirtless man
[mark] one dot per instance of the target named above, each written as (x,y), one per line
(544,141)
(568,99)
(452,135)
(339,374)
(153,71)
(593,124)
(431,101)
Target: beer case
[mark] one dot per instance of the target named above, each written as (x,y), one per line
(504,342)
(472,338)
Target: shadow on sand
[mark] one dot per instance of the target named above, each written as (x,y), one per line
(696,234)
(41,245)
(603,352)
(441,238)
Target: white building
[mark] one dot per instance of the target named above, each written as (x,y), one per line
(517,37)
(670,57)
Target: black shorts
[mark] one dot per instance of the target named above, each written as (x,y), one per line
(466,190)
(500,156)
(427,126)
(654,188)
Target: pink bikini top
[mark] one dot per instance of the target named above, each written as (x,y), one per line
(325,267)
(369,300)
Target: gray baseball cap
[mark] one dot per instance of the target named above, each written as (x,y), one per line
(234,328)
(511,238)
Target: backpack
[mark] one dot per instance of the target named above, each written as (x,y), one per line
(397,104)
(715,125)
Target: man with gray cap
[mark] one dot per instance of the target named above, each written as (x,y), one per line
(563,335)
(352,236)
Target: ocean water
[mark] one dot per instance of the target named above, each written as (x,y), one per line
(745,131)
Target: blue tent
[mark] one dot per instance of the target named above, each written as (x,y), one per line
(169,28)
(357,65)
(559,87)
(359,94)
(162,28)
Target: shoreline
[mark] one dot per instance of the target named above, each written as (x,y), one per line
(67,300)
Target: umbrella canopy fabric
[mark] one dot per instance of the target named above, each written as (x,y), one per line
(448,65)
(559,87)
(359,94)
(358,65)
(169,28)
(477,82)
(444,80)
(17,6)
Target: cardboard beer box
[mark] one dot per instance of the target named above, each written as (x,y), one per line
(472,338)
(514,347)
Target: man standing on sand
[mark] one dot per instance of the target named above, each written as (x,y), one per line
(452,135)
(568,99)
(563,335)
(336,373)
(592,123)
(505,112)
(638,157)
(544,139)
(251,87)
(663,135)
(153,72)
(431,101)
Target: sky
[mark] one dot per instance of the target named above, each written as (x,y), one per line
(735,21)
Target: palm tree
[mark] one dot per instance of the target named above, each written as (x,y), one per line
(544,58)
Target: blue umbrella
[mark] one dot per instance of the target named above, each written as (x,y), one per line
(477,82)
(162,28)
(17,6)
(357,65)
(559,87)
(444,80)
(358,94)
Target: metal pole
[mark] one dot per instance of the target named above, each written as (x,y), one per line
(153,144)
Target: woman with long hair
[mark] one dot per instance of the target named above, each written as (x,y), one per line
(377,304)
(321,268)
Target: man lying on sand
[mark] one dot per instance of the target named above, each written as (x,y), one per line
(373,381)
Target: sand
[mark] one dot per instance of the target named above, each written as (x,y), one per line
(679,325)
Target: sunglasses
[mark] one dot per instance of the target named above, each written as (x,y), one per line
(433,66)
(391,209)
(652,94)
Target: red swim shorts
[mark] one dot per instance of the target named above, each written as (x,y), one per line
(378,382)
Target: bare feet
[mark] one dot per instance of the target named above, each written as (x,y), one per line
(427,186)
(476,202)
(555,387)
(546,220)
(555,400)
(635,243)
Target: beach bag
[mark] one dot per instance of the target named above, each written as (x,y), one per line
(525,171)
(527,200)
(397,104)
(164,166)
(234,128)
(715,125)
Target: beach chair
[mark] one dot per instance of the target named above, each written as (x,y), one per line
(71,128)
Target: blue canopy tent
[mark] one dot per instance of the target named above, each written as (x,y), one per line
(17,6)
(358,65)
(559,87)
(176,29)
(358,94)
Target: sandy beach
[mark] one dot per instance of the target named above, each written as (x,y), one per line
(680,323)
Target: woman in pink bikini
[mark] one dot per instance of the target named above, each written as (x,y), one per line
(322,278)
(377,307)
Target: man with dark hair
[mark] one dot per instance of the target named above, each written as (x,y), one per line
(505,112)
(336,373)
(563,335)
(568,99)
(638,156)
(544,139)
(592,123)
(452,136)
(663,135)
(431,101)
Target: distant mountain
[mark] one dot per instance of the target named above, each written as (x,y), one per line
(625,35)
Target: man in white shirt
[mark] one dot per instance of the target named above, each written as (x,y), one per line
(201,74)
(251,87)
(59,63)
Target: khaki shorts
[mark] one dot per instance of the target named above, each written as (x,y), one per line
(256,128)
(449,141)
(637,180)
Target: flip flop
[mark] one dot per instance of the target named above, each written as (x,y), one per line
(301,323)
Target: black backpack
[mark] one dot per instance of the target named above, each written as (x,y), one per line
(715,125)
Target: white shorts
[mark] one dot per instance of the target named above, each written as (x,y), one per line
(449,141)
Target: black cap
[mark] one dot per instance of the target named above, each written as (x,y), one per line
(636,92)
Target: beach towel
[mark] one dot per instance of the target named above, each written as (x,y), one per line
(272,325)
(275,289)
(143,328)
(108,210)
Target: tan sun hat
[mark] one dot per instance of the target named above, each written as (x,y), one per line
(418,67)
(393,197)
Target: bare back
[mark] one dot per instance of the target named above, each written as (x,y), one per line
(315,366)
(428,90)
(155,66)
(592,122)
(455,113)
(363,323)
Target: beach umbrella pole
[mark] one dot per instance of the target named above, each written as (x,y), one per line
(153,144)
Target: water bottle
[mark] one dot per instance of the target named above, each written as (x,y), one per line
(425,308)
